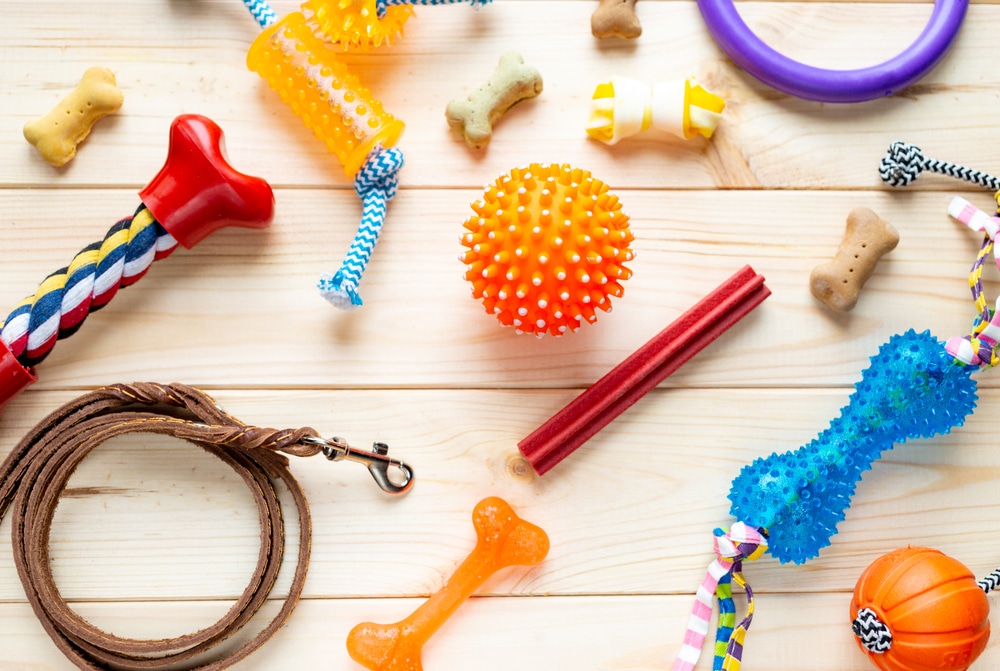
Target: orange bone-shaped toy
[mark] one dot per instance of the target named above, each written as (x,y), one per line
(503,539)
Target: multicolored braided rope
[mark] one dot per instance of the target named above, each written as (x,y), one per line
(741,542)
(979,348)
(901,165)
(64,299)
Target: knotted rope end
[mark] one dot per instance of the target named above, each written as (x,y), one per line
(901,164)
(337,292)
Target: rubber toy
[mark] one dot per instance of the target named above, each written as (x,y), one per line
(502,539)
(195,193)
(624,107)
(917,608)
(836,86)
(915,387)
(300,58)
(546,248)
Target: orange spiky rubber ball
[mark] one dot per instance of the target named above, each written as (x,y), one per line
(546,248)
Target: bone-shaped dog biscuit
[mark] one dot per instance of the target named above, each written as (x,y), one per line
(512,82)
(57,134)
(503,539)
(615,18)
(866,240)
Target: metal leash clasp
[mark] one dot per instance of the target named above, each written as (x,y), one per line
(376,459)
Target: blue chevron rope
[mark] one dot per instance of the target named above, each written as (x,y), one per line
(261,11)
(376,183)
(380,5)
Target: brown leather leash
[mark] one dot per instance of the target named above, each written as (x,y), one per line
(34,475)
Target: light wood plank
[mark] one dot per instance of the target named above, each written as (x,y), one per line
(420,327)
(790,632)
(154,537)
(629,513)
(171,60)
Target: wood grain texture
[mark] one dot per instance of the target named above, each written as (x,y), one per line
(154,537)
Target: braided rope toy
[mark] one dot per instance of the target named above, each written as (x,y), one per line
(297,58)
(915,387)
(195,193)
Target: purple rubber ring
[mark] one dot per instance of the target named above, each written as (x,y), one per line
(834,86)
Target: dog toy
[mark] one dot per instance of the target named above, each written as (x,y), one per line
(475,115)
(615,18)
(867,238)
(34,475)
(837,86)
(195,193)
(917,608)
(901,165)
(623,107)
(57,134)
(297,58)
(915,387)
(645,368)
(546,248)
(502,539)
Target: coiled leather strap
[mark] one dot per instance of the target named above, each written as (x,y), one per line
(36,472)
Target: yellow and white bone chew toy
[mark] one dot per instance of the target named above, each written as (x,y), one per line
(623,107)
(57,134)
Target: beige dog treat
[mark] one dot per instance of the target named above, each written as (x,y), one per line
(615,18)
(867,239)
(512,82)
(57,134)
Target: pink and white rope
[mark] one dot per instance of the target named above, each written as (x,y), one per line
(740,542)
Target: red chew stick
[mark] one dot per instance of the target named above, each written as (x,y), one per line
(645,368)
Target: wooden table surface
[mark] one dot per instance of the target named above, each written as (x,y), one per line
(156,538)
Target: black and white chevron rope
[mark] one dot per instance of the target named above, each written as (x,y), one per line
(990,582)
(903,163)
(873,633)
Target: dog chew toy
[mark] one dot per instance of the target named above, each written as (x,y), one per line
(195,193)
(645,368)
(502,539)
(615,18)
(57,134)
(623,107)
(511,83)
(546,248)
(917,608)
(836,86)
(299,57)
(901,166)
(34,476)
(867,238)
(915,387)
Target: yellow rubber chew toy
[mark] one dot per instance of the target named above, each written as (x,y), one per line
(546,248)
(354,24)
(319,88)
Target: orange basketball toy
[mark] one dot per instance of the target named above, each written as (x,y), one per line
(546,248)
(917,609)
